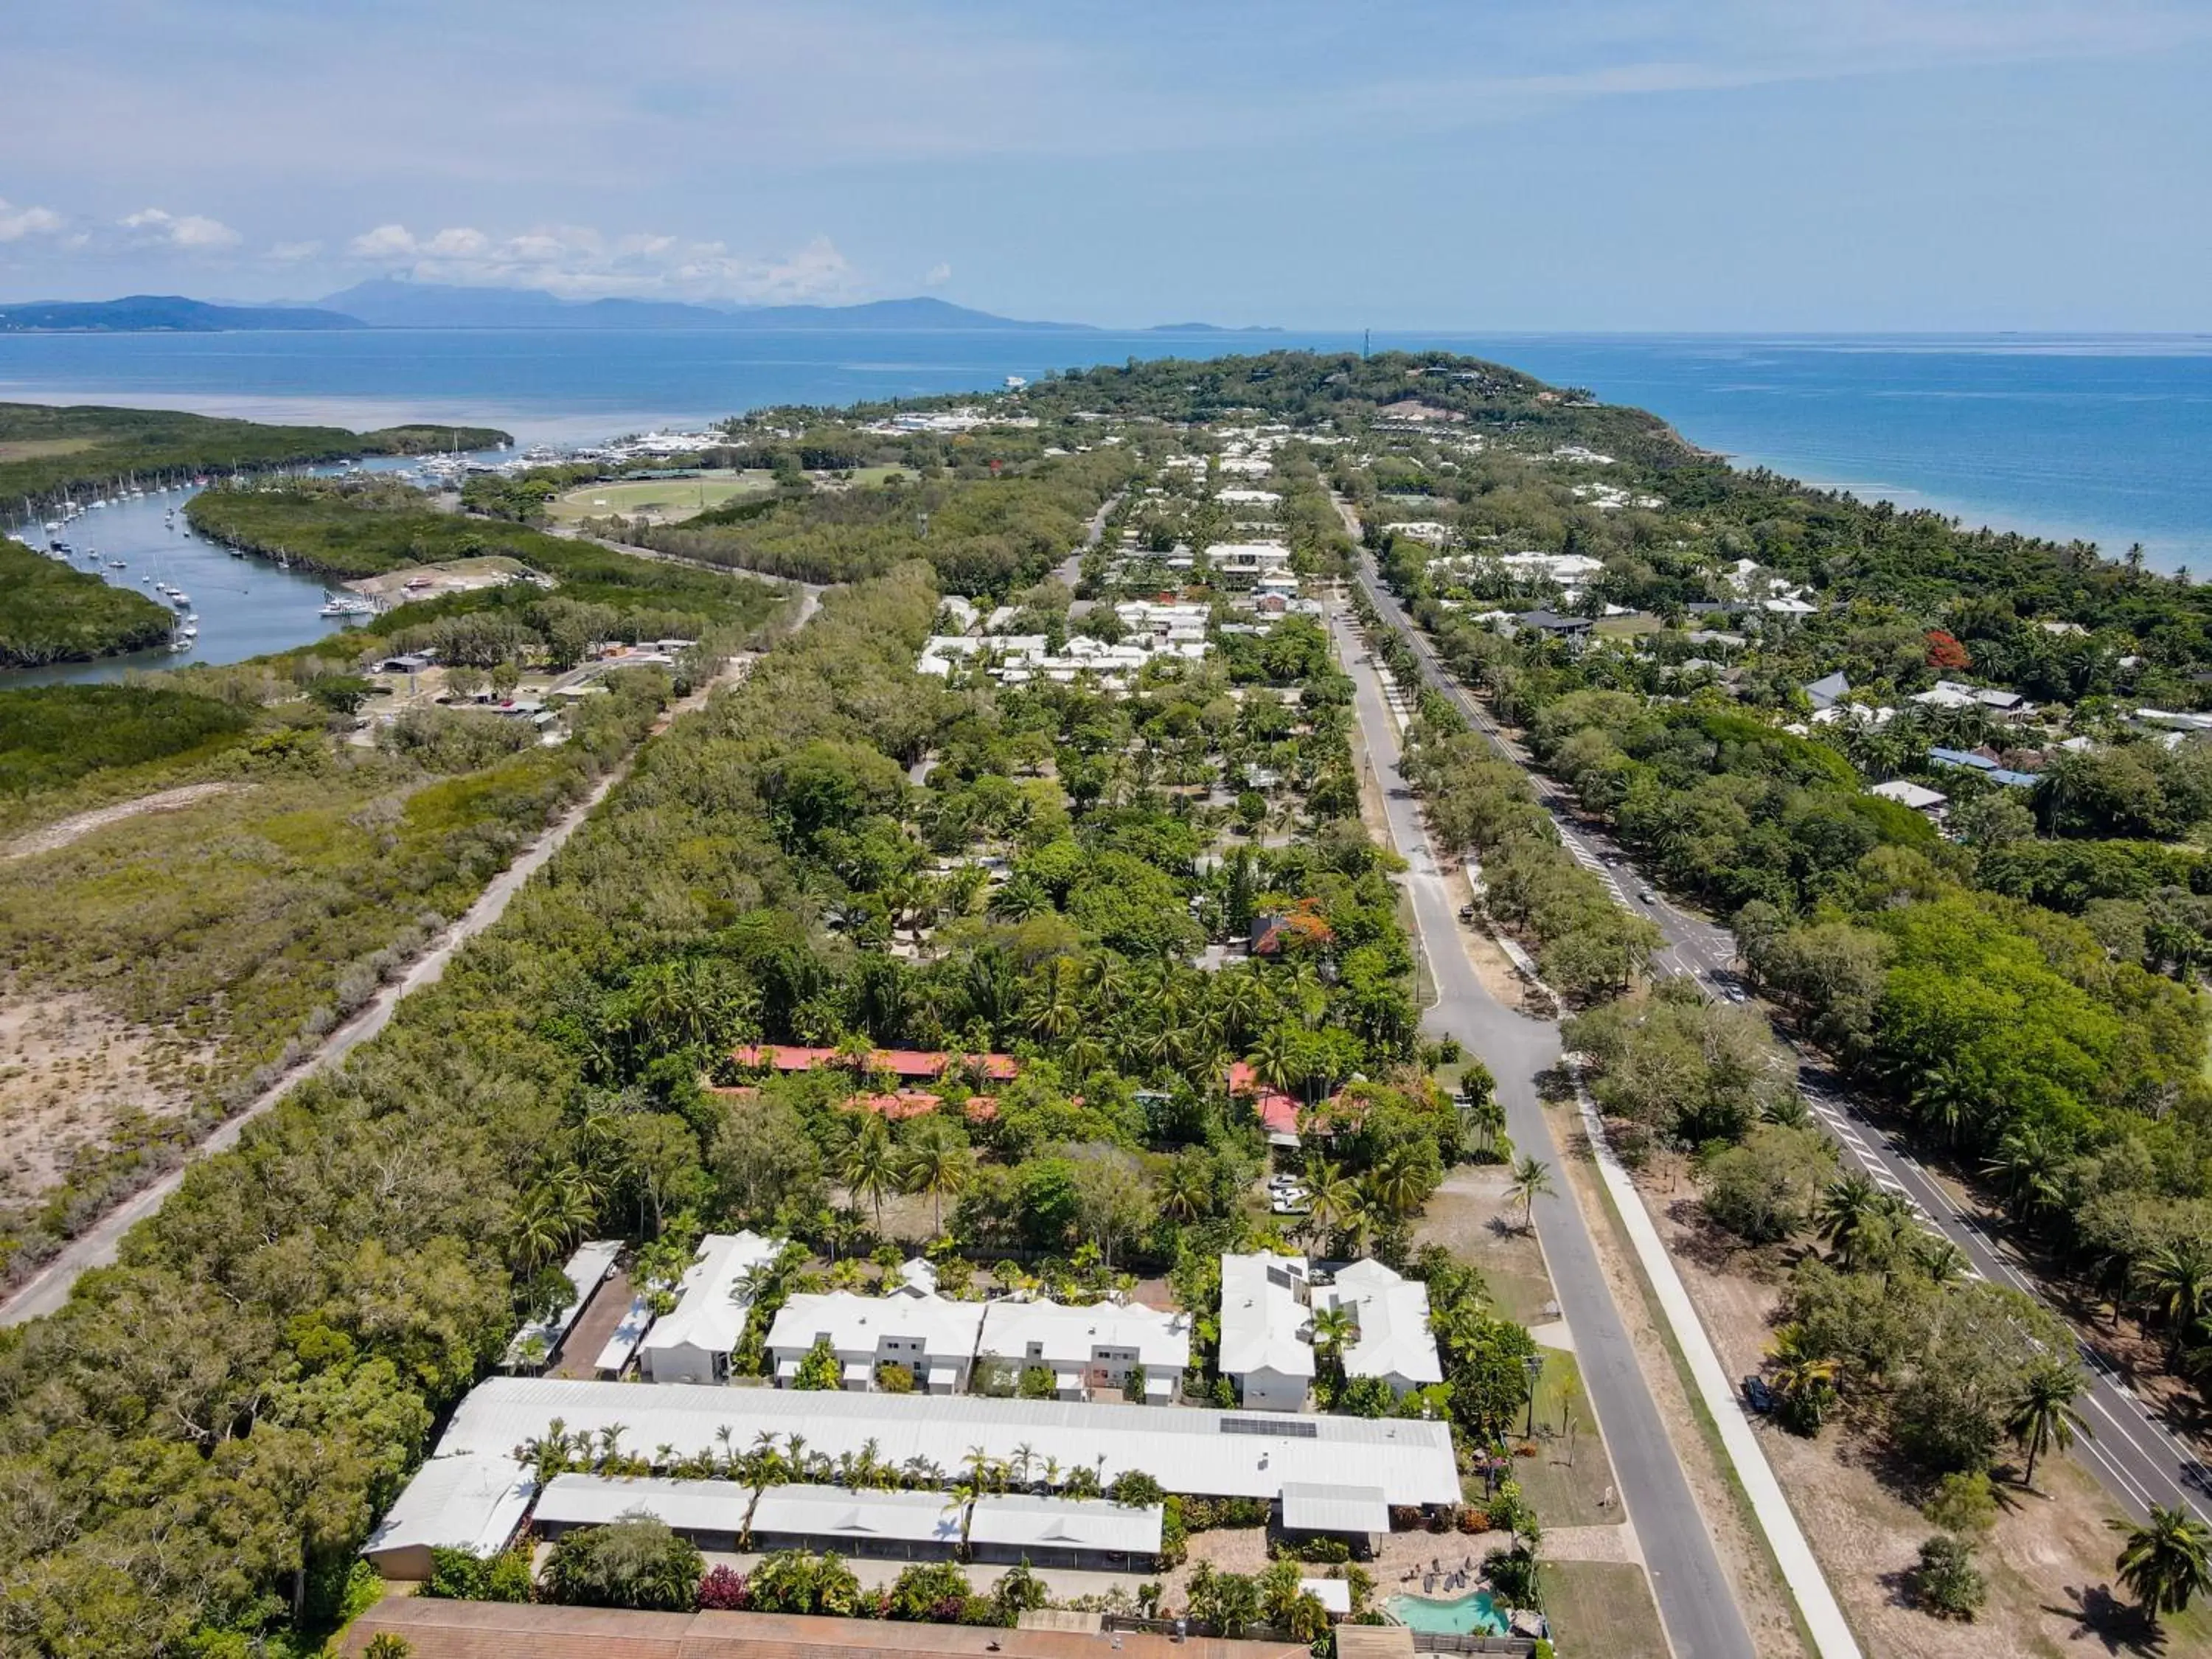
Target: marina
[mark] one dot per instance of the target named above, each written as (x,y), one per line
(230,605)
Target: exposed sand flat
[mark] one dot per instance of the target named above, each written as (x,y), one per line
(61,834)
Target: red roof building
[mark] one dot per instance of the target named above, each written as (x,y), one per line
(915,1063)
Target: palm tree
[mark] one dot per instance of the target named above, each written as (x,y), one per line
(869,1165)
(1397,1182)
(1332,1329)
(1804,1378)
(1054,1011)
(1532,1180)
(1242,1003)
(1275,1059)
(1942,1261)
(1845,1216)
(937,1161)
(2027,1166)
(1185,1190)
(2177,1279)
(1085,1055)
(2041,1410)
(1331,1197)
(2166,1561)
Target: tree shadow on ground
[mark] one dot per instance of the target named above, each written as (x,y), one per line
(2101,1617)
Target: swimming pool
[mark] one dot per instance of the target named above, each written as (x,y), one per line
(1470,1615)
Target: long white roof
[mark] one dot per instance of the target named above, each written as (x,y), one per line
(1021,1521)
(1261,1316)
(835,1512)
(1205,1453)
(593,1500)
(472,1502)
(1067,1336)
(1392,1314)
(855,1322)
(709,1314)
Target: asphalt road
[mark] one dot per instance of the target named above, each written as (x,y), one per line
(2139,1458)
(1696,1601)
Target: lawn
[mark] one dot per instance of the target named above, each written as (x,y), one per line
(1602,1608)
(1566,1492)
(657,498)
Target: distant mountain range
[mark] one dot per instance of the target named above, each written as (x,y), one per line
(386,303)
(163,313)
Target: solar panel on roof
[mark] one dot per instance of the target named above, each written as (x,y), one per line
(1287,1428)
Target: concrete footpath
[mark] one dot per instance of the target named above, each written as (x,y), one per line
(1809,1585)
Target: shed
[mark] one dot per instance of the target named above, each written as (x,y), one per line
(1090,1534)
(903,1526)
(473,1502)
(710,1513)
(1360,1513)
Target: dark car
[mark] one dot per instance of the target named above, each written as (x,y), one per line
(1758,1395)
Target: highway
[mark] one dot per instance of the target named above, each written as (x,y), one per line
(2138,1459)
(1696,1602)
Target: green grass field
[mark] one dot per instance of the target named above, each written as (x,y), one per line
(1602,1607)
(659,498)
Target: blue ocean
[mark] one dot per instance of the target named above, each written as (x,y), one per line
(2106,437)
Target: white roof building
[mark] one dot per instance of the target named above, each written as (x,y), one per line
(1904,792)
(622,1343)
(1267,1330)
(1142,1351)
(1955,694)
(473,1502)
(591,1262)
(1429,531)
(904,1523)
(700,1510)
(1210,1453)
(931,1337)
(1012,1527)
(691,1343)
(1391,1336)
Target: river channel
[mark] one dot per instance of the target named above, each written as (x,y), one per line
(246,605)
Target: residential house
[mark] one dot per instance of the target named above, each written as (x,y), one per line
(933,1338)
(692,1342)
(1267,1330)
(1390,1337)
(1141,1351)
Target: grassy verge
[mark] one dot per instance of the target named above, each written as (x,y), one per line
(1708,1431)
(1601,1610)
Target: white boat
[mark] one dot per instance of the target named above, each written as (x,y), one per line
(179,597)
(346,604)
(117,564)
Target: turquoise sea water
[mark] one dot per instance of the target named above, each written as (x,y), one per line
(1469,1615)
(2104,437)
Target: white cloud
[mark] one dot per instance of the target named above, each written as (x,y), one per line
(17,223)
(578,262)
(190,233)
(937,276)
(293,252)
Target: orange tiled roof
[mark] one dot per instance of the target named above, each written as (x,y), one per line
(900,1063)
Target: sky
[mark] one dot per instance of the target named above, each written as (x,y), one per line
(1481,165)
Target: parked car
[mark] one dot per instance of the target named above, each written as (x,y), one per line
(1758,1395)
(1467,912)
